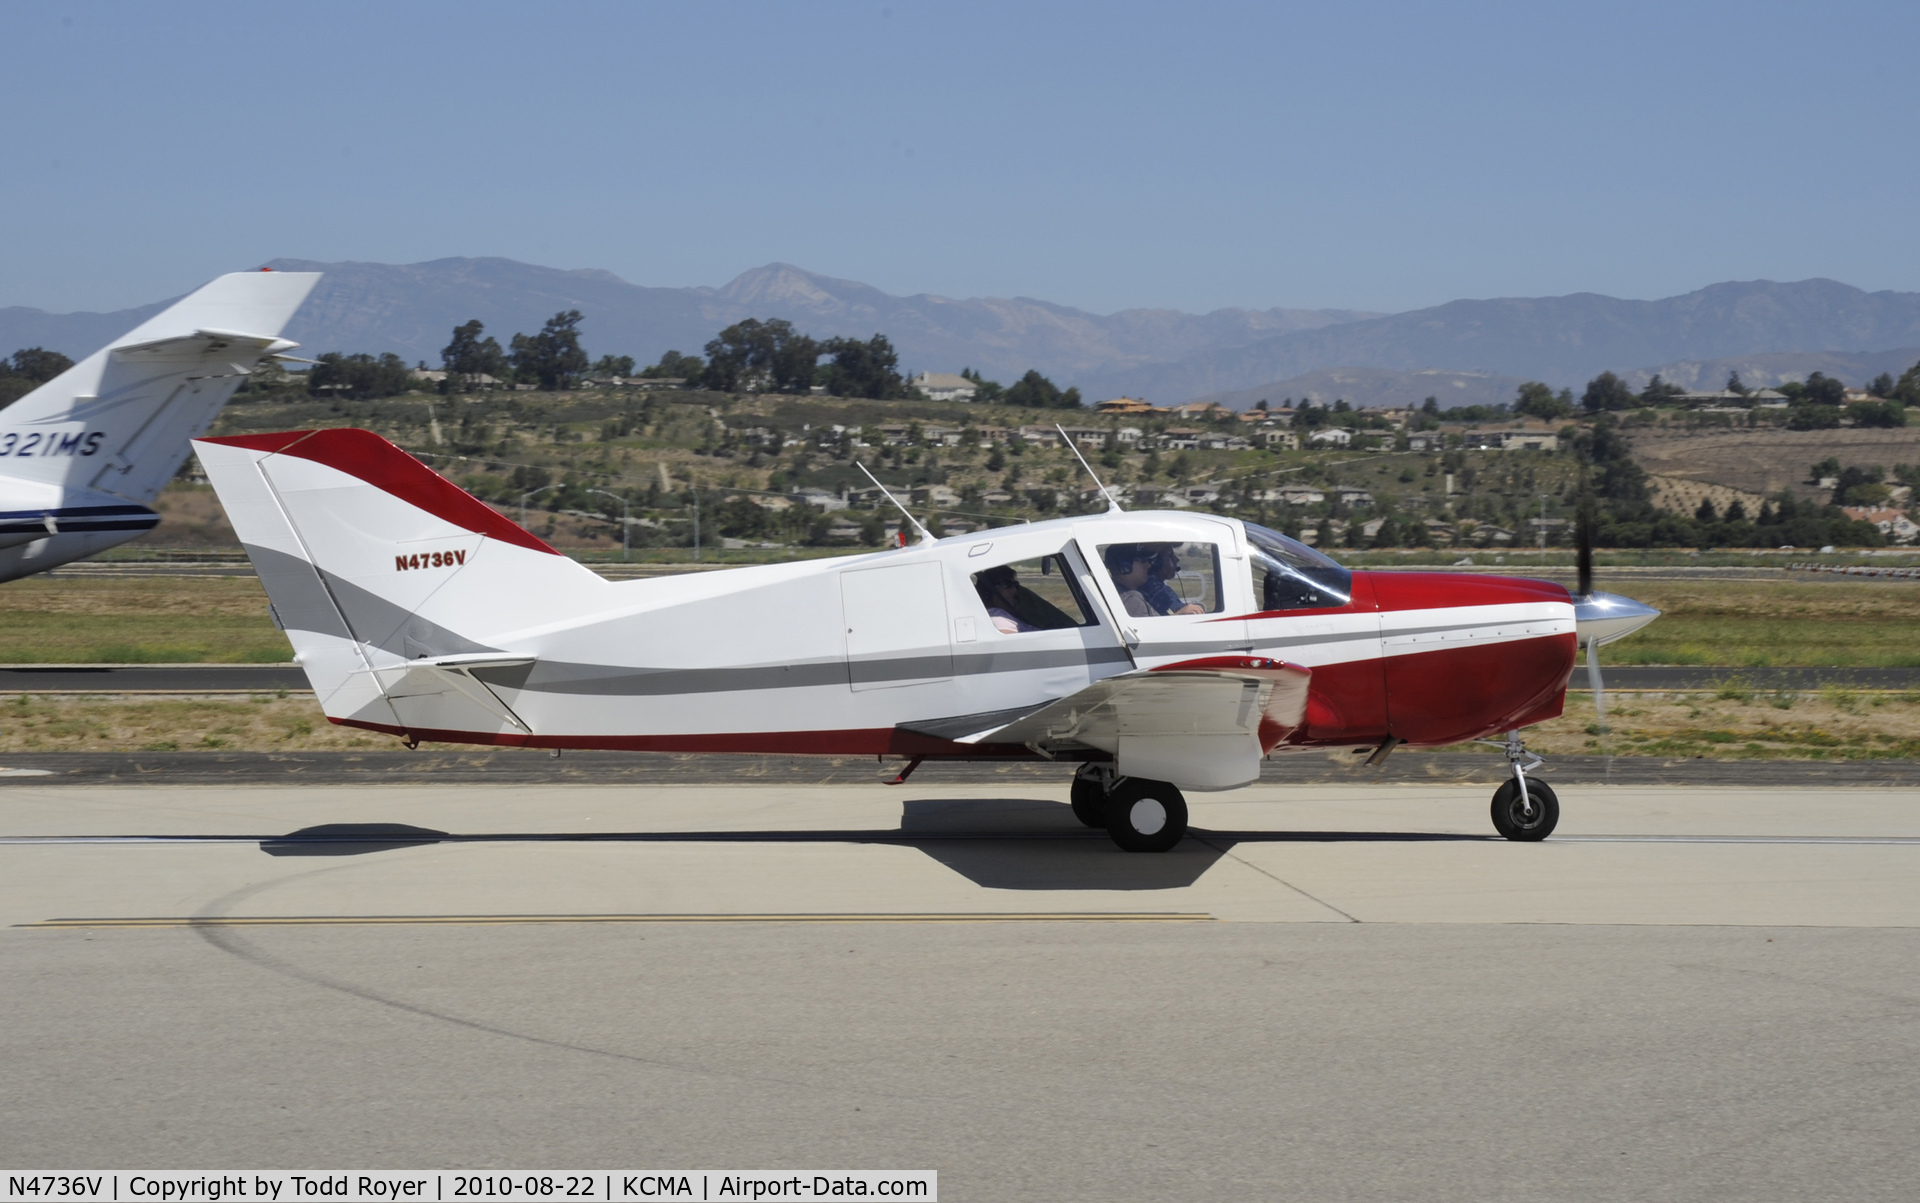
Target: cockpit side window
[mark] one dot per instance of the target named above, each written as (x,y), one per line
(1289,575)
(1163,579)
(1032,595)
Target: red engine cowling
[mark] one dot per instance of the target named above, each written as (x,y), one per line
(1466,692)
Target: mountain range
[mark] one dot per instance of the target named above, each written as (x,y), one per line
(1457,351)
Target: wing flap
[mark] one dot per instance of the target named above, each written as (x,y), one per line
(1201,724)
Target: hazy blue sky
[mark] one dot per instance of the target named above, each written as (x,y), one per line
(1368,155)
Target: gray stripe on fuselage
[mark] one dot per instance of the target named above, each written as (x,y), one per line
(606,681)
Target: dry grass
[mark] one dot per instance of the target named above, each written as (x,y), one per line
(1730,724)
(1739,723)
(126,723)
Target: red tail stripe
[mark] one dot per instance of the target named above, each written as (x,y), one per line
(366,456)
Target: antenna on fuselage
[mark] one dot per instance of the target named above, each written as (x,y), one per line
(1113,503)
(926,536)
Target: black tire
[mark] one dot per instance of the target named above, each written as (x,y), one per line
(1146,816)
(1089,798)
(1514,823)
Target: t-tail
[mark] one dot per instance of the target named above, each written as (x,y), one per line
(83,456)
(393,584)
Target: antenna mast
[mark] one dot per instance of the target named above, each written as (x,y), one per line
(926,536)
(1113,504)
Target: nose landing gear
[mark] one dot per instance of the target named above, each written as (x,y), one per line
(1523,809)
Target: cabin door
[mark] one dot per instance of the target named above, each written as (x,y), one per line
(897,628)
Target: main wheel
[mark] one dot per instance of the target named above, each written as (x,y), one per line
(1510,818)
(1146,816)
(1089,797)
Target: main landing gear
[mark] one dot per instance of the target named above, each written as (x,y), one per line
(1140,815)
(1523,809)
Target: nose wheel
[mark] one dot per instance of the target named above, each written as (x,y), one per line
(1523,808)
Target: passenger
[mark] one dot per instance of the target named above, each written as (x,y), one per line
(999,588)
(1160,595)
(1131,567)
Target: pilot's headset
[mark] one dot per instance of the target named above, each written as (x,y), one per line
(1121,556)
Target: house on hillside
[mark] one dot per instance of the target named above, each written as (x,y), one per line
(1894,524)
(1125,405)
(945,386)
(1180,438)
(1278,440)
(1332,436)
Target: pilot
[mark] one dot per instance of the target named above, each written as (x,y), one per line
(1160,596)
(999,588)
(1131,567)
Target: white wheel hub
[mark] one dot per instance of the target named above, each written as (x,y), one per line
(1147,816)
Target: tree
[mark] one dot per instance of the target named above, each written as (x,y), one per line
(468,356)
(1877,413)
(27,370)
(1538,400)
(1659,392)
(552,357)
(1908,389)
(750,355)
(1822,389)
(1734,385)
(1035,391)
(1606,393)
(1859,485)
(1431,407)
(868,369)
(675,366)
(358,376)
(989,391)
(1616,476)
(1881,386)
(614,365)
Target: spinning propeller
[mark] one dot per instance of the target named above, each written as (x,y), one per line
(1600,617)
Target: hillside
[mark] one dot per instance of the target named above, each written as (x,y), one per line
(410,309)
(1564,341)
(1378,388)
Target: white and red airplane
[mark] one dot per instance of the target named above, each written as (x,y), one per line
(1160,652)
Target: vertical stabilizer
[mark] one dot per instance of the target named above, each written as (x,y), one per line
(387,576)
(119,421)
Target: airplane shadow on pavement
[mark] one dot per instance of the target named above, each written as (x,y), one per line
(1035,844)
(996,843)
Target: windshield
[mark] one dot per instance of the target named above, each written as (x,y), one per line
(1289,575)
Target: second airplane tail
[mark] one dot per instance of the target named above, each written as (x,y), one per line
(118,422)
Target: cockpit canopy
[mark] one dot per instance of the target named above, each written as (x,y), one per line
(1289,575)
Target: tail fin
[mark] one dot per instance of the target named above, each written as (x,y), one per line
(119,420)
(389,579)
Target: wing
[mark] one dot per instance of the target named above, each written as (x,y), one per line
(1201,724)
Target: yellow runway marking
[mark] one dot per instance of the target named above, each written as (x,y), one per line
(337,920)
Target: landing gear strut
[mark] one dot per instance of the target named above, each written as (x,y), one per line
(1140,815)
(1523,809)
(1091,784)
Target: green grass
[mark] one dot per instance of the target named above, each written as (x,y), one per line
(163,620)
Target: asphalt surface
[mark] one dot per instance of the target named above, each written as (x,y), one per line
(1687,994)
(249,678)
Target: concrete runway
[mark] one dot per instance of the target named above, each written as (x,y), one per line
(1342,992)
